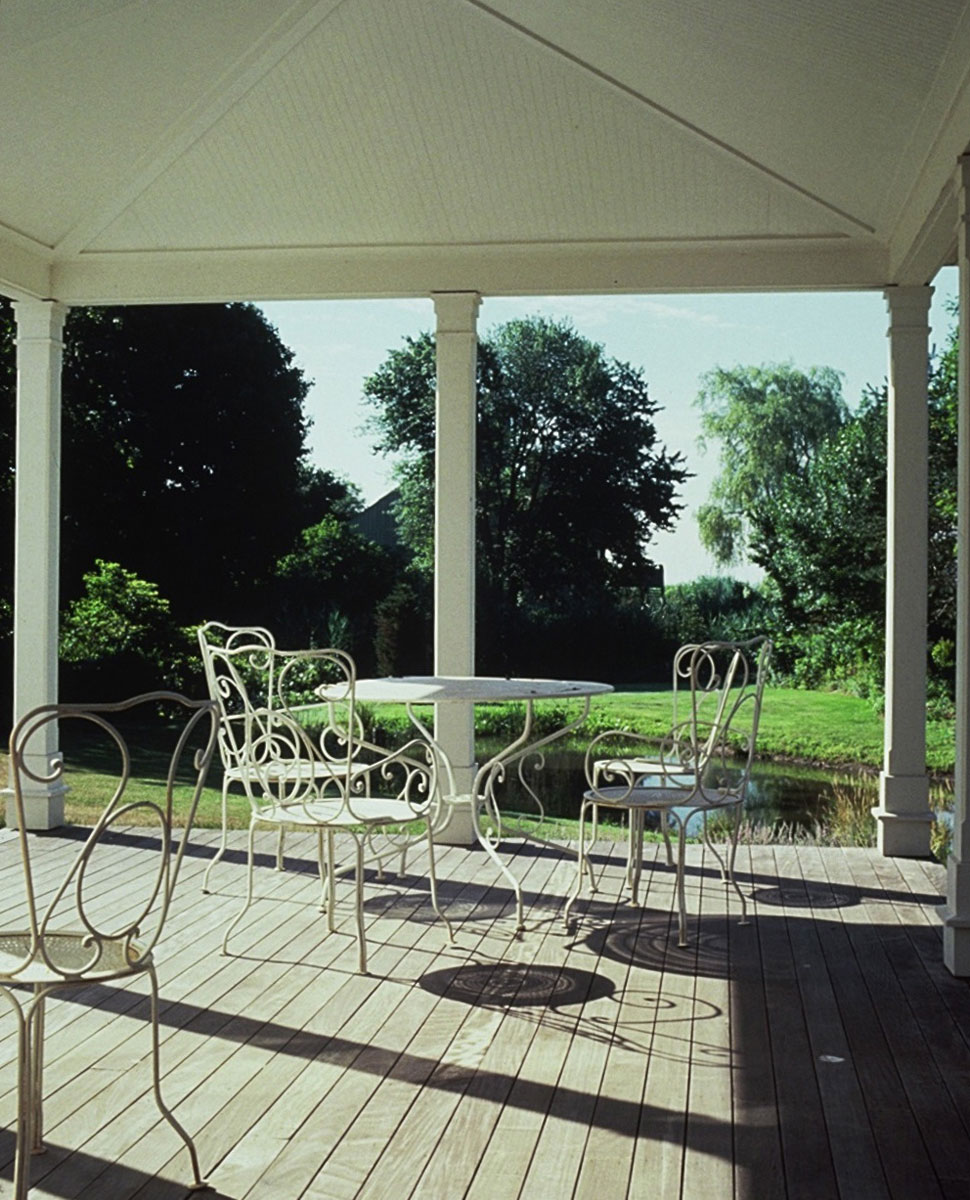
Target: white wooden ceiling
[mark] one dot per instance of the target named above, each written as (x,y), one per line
(217,149)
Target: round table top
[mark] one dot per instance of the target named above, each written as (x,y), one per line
(478,689)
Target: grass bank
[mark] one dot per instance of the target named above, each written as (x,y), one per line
(801,726)
(825,728)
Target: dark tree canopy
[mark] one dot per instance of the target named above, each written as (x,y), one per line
(572,482)
(184,445)
(184,454)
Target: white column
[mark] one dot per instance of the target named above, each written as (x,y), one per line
(903,816)
(956,912)
(454,544)
(37,536)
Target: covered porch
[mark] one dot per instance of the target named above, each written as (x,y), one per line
(820,1051)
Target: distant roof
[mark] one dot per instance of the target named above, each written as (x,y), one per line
(378,521)
(273,149)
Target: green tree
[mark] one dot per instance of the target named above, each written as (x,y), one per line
(768,422)
(328,587)
(572,481)
(118,636)
(185,455)
(821,534)
(184,452)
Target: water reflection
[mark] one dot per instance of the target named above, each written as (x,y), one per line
(798,798)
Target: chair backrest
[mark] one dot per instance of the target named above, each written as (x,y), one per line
(716,739)
(259,666)
(152,777)
(297,755)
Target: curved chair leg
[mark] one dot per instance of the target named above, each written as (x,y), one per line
(324,866)
(359,904)
(198,1183)
(665,830)
(249,892)
(281,836)
(714,850)
(433,883)
(222,841)
(637,822)
(331,882)
(681,898)
(732,854)
(36,1023)
(25,1102)
(582,865)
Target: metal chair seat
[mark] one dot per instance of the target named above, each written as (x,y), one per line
(367,810)
(66,954)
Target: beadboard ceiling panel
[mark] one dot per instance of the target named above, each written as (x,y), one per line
(796,144)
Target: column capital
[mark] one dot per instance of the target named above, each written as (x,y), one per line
(39,320)
(456,312)
(908,306)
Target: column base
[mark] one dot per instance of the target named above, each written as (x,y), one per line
(903,816)
(956,942)
(43,809)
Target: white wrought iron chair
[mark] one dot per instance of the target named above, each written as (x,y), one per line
(324,777)
(260,644)
(647,767)
(276,680)
(703,766)
(65,938)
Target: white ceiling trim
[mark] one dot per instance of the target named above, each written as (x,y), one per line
(497,270)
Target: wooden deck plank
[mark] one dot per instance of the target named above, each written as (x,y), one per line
(866,997)
(915,1026)
(465,1032)
(707,1072)
(807,1165)
(758,1166)
(658,1160)
(517,1132)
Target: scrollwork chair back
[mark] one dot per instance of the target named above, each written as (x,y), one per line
(70,936)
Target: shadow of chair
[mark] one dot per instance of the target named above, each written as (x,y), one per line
(73,939)
(703,765)
(308,766)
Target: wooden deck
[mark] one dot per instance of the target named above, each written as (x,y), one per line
(821,1051)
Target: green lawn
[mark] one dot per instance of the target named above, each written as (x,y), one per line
(828,728)
(814,727)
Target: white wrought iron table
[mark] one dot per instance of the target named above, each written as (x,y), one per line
(417,691)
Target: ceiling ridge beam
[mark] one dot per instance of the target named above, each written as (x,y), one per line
(234,83)
(696,131)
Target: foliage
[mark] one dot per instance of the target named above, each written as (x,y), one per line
(328,586)
(711,607)
(184,451)
(119,636)
(184,458)
(561,428)
(769,422)
(403,641)
(186,436)
(822,531)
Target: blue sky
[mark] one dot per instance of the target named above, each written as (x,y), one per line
(675,339)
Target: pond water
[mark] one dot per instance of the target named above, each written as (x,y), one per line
(799,798)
